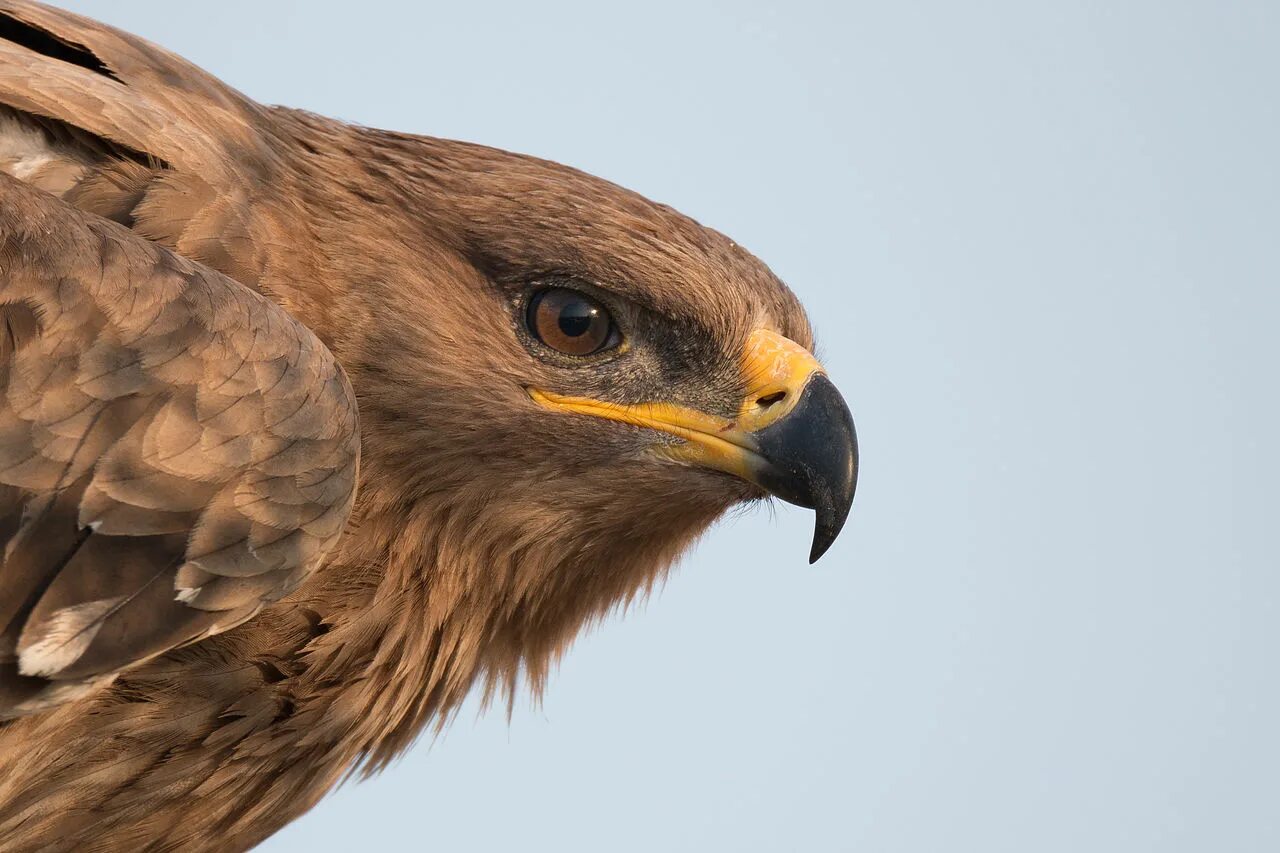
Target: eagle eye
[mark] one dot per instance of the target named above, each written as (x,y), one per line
(570,322)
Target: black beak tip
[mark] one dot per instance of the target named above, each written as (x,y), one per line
(822,540)
(831,514)
(813,455)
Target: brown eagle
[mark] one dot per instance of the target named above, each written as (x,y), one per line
(307,429)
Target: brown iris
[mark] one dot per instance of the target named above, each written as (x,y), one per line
(570,322)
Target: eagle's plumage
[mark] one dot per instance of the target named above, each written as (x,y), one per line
(222,589)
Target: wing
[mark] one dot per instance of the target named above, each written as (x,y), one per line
(121,88)
(175,450)
(121,128)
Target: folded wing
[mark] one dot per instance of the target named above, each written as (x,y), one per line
(175,450)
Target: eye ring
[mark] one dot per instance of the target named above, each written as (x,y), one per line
(570,322)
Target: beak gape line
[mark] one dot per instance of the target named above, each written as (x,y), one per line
(793,437)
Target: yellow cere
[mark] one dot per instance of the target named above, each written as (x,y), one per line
(772,364)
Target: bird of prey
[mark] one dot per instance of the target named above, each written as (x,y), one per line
(309,429)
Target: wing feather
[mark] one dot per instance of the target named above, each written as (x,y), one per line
(121,128)
(120,88)
(175,450)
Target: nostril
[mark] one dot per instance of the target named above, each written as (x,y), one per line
(769,399)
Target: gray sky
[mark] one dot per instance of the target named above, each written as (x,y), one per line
(1039,242)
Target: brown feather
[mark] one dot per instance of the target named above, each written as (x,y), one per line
(88,428)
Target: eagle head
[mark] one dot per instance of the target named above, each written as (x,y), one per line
(568,382)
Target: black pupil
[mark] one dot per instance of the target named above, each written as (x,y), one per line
(575,318)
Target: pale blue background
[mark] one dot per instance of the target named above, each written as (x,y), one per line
(1040,242)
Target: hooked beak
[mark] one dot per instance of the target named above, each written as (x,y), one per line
(793,435)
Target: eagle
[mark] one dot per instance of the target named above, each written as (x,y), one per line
(308,430)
